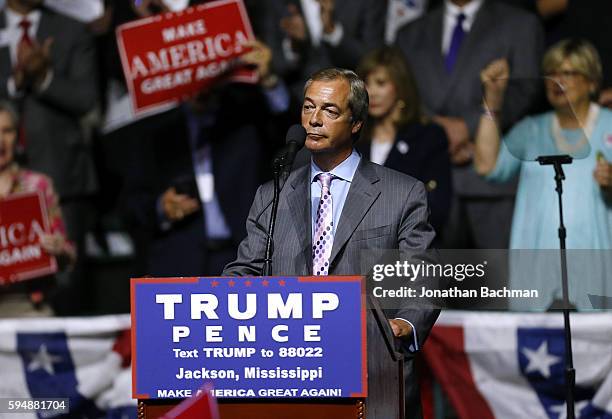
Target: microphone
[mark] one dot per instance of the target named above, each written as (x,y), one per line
(283,159)
(294,140)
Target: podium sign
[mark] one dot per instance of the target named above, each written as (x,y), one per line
(251,337)
(171,56)
(23,219)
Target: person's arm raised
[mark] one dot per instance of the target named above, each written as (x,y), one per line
(495,80)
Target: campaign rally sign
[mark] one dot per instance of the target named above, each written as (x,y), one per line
(171,56)
(250,337)
(23,220)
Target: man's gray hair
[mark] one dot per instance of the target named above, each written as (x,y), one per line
(358,95)
(6,106)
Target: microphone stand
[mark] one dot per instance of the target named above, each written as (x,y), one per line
(279,166)
(570,372)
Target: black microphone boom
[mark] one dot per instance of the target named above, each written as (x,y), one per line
(295,139)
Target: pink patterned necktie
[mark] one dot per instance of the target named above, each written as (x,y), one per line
(323,236)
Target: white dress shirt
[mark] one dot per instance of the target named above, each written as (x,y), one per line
(451,11)
(400,13)
(379,151)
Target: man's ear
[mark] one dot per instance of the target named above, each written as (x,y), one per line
(356,127)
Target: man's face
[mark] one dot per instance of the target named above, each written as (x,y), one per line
(326,117)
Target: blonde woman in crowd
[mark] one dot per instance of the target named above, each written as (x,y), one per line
(576,125)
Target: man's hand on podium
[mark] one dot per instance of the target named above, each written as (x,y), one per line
(401,329)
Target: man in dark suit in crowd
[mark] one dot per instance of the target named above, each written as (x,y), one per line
(447,48)
(182,187)
(308,35)
(340,205)
(47,69)
(191,182)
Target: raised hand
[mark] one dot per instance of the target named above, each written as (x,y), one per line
(259,56)
(54,244)
(494,78)
(293,24)
(327,15)
(33,62)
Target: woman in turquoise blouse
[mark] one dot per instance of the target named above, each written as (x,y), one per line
(572,72)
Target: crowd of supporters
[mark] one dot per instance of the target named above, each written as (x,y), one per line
(168,193)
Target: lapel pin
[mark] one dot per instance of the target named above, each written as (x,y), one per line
(402,147)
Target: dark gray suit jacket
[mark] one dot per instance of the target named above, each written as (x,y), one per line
(54,143)
(384,209)
(498,31)
(363,23)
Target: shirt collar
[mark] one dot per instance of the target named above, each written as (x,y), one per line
(345,170)
(13,18)
(311,11)
(451,11)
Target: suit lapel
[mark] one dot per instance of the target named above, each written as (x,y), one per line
(404,141)
(435,44)
(362,194)
(45,27)
(394,158)
(301,215)
(433,48)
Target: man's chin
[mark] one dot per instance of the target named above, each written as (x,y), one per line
(318,150)
(313,146)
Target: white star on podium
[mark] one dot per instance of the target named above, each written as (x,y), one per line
(43,359)
(540,360)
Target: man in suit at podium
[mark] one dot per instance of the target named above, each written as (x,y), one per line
(340,205)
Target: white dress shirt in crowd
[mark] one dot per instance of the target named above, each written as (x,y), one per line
(451,11)
(400,13)
(12,33)
(379,151)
